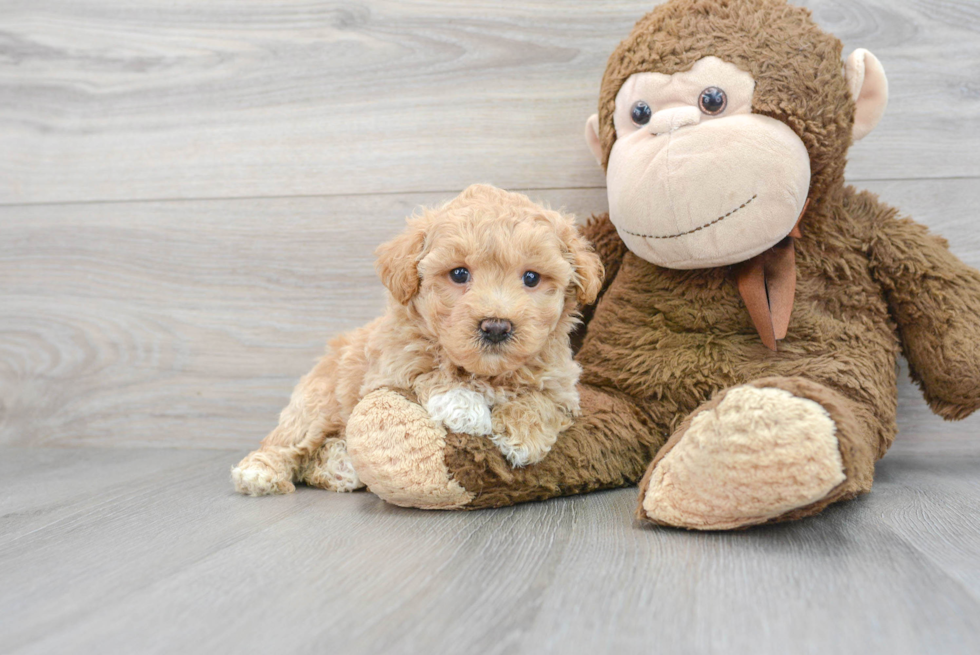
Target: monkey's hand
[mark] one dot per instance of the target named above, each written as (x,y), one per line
(525,429)
(935,300)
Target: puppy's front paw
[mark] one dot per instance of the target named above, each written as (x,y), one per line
(254,477)
(461,410)
(526,428)
(520,454)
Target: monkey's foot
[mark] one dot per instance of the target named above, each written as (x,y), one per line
(331,468)
(399,452)
(261,474)
(753,455)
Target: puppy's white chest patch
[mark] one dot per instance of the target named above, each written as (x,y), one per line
(461,410)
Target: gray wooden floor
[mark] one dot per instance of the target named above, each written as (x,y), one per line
(148,551)
(190,193)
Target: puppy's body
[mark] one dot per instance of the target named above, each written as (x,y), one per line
(518,388)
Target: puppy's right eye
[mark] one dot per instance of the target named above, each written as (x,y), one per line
(459,275)
(531,279)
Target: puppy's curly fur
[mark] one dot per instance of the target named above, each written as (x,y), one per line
(520,391)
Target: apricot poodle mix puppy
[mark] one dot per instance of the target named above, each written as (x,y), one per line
(483,295)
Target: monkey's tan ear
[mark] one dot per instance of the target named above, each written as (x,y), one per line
(869,88)
(398,260)
(592,137)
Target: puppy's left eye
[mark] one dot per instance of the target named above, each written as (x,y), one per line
(459,275)
(531,279)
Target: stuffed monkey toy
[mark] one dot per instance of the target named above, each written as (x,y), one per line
(741,360)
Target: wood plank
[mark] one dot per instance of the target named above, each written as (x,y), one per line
(88,548)
(186,324)
(181,564)
(931,496)
(179,99)
(42,487)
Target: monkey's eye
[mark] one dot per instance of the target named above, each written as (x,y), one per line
(713,101)
(640,113)
(531,279)
(459,275)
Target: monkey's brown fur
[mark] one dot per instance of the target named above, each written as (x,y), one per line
(660,343)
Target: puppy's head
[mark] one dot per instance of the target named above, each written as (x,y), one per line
(494,277)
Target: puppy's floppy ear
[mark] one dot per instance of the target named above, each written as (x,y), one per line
(398,260)
(589,272)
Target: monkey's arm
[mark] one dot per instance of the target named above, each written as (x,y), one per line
(407,460)
(935,299)
(602,234)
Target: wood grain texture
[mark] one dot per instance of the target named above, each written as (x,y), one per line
(171,560)
(136,313)
(186,324)
(183,99)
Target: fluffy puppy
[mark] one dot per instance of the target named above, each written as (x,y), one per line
(483,295)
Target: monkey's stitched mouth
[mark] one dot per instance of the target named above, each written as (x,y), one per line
(697,229)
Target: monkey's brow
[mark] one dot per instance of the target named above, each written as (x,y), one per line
(717,220)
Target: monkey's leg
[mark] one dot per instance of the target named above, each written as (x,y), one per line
(772,450)
(407,459)
(313,413)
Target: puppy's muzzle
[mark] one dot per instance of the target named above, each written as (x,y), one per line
(496,330)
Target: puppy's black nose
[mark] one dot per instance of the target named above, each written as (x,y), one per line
(495,330)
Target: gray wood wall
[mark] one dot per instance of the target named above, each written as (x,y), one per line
(190,192)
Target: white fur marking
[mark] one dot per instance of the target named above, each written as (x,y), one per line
(461,410)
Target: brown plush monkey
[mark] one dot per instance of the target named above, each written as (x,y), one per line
(723,127)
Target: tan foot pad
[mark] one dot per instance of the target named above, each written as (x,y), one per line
(757,455)
(399,453)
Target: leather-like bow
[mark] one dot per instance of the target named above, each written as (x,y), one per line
(767,284)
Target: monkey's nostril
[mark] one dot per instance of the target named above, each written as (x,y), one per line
(495,330)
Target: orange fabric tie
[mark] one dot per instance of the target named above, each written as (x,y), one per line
(767,284)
